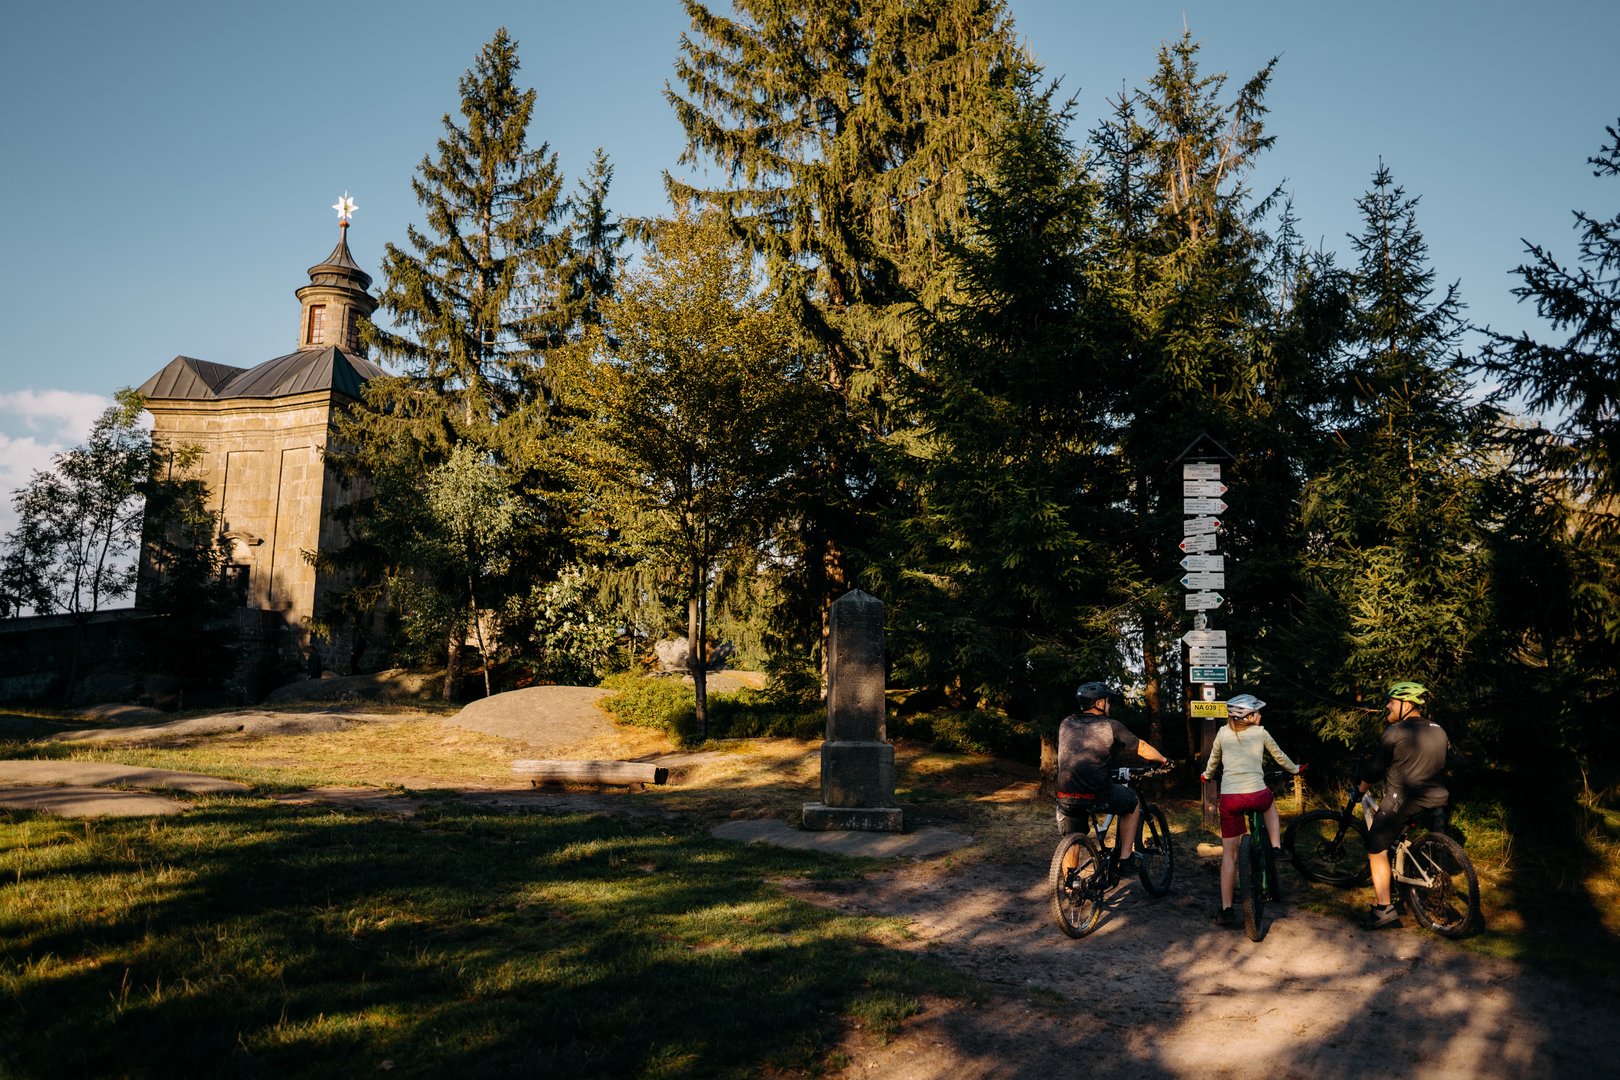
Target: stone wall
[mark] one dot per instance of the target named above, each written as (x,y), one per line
(263,464)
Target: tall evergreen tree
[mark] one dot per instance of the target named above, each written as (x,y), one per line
(847,133)
(1567,569)
(1187,279)
(1397,551)
(1014,492)
(479,300)
(482,294)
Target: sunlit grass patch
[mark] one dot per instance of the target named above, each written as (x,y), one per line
(255,938)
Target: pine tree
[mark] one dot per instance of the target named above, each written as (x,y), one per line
(1008,560)
(482,294)
(1187,281)
(1398,552)
(597,242)
(1565,567)
(847,134)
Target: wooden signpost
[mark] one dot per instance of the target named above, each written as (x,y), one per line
(1203,649)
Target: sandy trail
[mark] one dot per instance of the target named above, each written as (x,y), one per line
(1160,991)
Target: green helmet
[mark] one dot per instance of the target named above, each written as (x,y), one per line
(1409,691)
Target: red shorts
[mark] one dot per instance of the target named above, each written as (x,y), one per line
(1234,807)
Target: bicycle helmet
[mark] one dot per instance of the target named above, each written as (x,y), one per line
(1409,691)
(1243,705)
(1088,694)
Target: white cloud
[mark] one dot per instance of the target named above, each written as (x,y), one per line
(19,460)
(35,426)
(64,415)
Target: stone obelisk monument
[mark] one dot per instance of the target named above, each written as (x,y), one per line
(857,764)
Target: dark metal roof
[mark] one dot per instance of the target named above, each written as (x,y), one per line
(188,377)
(339,268)
(296,373)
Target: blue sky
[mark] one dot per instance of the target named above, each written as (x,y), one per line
(169,167)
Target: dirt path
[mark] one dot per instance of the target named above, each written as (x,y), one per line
(1160,991)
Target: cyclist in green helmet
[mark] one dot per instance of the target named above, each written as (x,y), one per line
(1411,763)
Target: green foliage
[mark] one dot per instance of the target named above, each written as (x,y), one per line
(666,704)
(1007,562)
(1398,556)
(564,624)
(472,299)
(646,702)
(79,523)
(847,135)
(698,416)
(500,278)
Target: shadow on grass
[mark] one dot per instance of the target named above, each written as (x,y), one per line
(249,940)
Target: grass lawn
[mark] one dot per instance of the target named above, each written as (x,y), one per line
(255,937)
(250,938)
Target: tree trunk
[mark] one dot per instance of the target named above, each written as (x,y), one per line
(697,660)
(454,661)
(478,629)
(1049,748)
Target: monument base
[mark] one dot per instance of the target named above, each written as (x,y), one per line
(824,818)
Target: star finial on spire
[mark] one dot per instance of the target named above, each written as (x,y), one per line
(345,208)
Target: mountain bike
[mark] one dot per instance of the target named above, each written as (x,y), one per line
(1436,877)
(1257,869)
(1085,866)
(1330,846)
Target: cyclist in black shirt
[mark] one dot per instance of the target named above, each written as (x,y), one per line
(1411,764)
(1087,743)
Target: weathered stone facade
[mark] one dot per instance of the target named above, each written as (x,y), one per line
(263,432)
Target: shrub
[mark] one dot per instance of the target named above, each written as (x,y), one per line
(646,702)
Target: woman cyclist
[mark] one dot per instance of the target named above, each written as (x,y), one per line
(1240,751)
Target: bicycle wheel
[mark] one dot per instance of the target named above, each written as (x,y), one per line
(1274,892)
(1077,888)
(1449,903)
(1155,857)
(1251,881)
(1330,847)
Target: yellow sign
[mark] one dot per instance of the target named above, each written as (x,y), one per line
(1217,709)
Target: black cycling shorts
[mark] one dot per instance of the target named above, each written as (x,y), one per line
(1390,819)
(1072,813)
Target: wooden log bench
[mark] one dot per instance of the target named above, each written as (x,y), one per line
(602,773)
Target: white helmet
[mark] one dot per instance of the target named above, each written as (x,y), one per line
(1242,705)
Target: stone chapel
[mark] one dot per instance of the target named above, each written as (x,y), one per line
(262,431)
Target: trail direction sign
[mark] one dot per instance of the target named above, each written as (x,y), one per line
(1205,639)
(1204,580)
(1204,562)
(1194,525)
(1209,674)
(1201,470)
(1201,542)
(1203,601)
(1206,488)
(1202,657)
(1191,507)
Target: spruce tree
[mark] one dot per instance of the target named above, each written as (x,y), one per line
(847,134)
(1565,569)
(1398,555)
(478,300)
(1007,564)
(1187,280)
(481,294)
